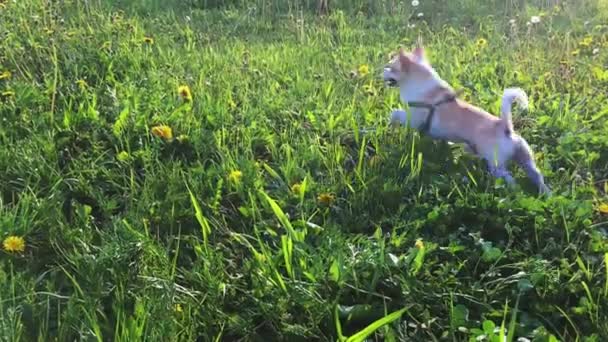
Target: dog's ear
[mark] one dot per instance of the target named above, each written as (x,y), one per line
(419,52)
(404,59)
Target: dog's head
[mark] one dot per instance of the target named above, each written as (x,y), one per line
(407,67)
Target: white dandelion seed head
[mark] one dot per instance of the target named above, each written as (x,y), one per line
(596,51)
(535,19)
(512,21)
(420,15)
(415,3)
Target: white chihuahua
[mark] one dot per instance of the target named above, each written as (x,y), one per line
(435,110)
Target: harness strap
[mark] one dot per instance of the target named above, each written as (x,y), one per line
(426,125)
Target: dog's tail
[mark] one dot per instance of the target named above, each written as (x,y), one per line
(510,95)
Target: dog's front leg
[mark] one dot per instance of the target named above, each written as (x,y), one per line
(398,117)
(501,172)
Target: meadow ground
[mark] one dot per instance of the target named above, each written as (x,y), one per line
(173,172)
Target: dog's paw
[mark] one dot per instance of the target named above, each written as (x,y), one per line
(544,190)
(398,117)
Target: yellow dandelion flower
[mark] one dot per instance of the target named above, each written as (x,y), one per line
(576,52)
(586,42)
(178,308)
(235,176)
(5,75)
(481,43)
(163,131)
(296,188)
(185,93)
(232,104)
(123,156)
(556,9)
(419,244)
(183,138)
(369,89)
(149,40)
(82,84)
(603,208)
(14,244)
(326,198)
(375,160)
(363,69)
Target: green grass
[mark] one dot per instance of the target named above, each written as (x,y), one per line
(133,237)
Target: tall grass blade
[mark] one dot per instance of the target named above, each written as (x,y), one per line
(278,212)
(606,282)
(370,329)
(92,320)
(511,331)
(287,245)
(338,325)
(202,221)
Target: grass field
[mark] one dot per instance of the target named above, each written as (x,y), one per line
(180,171)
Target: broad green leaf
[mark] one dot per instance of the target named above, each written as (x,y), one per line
(460,315)
(488,327)
(334,271)
(418,260)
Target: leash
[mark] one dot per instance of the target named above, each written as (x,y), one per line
(426,125)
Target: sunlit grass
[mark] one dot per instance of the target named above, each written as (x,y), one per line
(169,171)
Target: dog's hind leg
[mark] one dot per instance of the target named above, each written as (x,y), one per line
(523,157)
(536,177)
(469,148)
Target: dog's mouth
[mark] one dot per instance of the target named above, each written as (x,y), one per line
(391,82)
(388,78)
